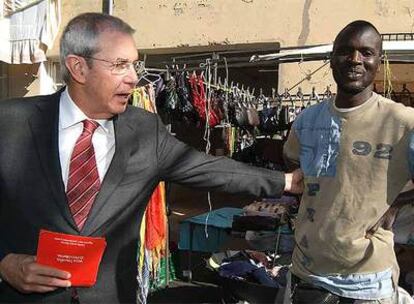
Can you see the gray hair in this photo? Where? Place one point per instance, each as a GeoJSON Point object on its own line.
{"type": "Point", "coordinates": [81, 36]}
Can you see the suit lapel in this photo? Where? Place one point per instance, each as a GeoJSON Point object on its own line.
{"type": "Point", "coordinates": [101, 210]}
{"type": "Point", "coordinates": [45, 134]}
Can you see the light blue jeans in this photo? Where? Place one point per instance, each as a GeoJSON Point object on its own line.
{"type": "Point", "coordinates": [399, 297]}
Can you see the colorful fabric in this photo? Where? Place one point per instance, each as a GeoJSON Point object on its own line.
{"type": "Point", "coordinates": [155, 219]}
{"type": "Point", "coordinates": [355, 165]}
{"type": "Point", "coordinates": [201, 101]}
{"type": "Point", "coordinates": [154, 224]}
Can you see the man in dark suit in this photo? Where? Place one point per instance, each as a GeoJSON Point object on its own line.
{"type": "Point", "coordinates": [131, 152]}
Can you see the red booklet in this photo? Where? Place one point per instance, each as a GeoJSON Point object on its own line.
{"type": "Point", "coordinates": [78, 255]}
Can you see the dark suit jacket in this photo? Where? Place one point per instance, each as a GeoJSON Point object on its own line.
{"type": "Point", "coordinates": [32, 194]}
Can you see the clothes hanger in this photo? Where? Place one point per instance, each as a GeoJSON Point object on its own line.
{"type": "Point", "coordinates": [287, 97]}
{"type": "Point", "coordinates": [299, 96]}
{"type": "Point", "coordinates": [327, 93]}
{"type": "Point", "coordinates": [146, 76]}
{"type": "Point", "coordinates": [314, 95]}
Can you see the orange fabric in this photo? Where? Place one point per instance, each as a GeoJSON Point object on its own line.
{"type": "Point", "coordinates": [155, 219]}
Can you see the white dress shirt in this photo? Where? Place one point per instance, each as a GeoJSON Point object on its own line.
{"type": "Point", "coordinates": [70, 128]}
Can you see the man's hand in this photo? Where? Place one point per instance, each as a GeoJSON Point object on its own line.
{"type": "Point", "coordinates": [23, 273]}
{"type": "Point", "coordinates": [294, 182]}
{"type": "Point", "coordinates": [388, 219]}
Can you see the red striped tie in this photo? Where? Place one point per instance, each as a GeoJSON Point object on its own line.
{"type": "Point", "coordinates": [83, 181]}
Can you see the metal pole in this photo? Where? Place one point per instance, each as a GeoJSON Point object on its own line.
{"type": "Point", "coordinates": [108, 6]}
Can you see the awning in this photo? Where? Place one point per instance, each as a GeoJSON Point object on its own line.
{"type": "Point", "coordinates": [397, 51]}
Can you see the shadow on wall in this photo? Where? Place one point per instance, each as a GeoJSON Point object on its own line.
{"type": "Point", "coordinates": [19, 80]}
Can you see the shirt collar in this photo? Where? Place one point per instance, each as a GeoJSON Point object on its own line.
{"type": "Point", "coordinates": [70, 114]}
{"type": "Point", "coordinates": [355, 110]}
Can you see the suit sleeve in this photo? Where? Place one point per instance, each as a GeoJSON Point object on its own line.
{"type": "Point", "coordinates": [185, 165]}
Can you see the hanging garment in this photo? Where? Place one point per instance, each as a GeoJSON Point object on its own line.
{"type": "Point", "coordinates": [46, 82]}
{"type": "Point", "coordinates": [184, 96]}
{"type": "Point", "coordinates": [27, 33]}
{"type": "Point", "coordinates": [185, 110]}
{"type": "Point", "coordinates": [9, 7]}
{"type": "Point", "coordinates": [252, 116]}
{"type": "Point", "coordinates": [284, 117]}
{"type": "Point", "coordinates": [171, 102]}
{"type": "Point", "coordinates": [200, 101]}
{"type": "Point", "coordinates": [217, 105]}
{"type": "Point", "coordinates": [269, 123]}
{"type": "Point", "coordinates": [245, 146]}
{"type": "Point", "coordinates": [241, 114]}
{"type": "Point", "coordinates": [153, 228]}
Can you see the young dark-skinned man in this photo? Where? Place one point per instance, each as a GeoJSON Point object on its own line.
{"type": "Point", "coordinates": [356, 151]}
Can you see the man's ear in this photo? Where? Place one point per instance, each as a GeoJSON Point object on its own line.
{"type": "Point", "coordinates": [383, 58]}
{"type": "Point", "coordinates": [77, 67]}
{"type": "Point", "coordinates": [382, 61]}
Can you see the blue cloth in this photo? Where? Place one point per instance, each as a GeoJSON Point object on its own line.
{"type": "Point", "coordinates": [245, 269]}
{"type": "Point", "coordinates": [319, 134]}
{"type": "Point", "coordinates": [371, 286]}
{"type": "Point", "coordinates": [236, 269]}
{"type": "Point", "coordinates": [218, 224]}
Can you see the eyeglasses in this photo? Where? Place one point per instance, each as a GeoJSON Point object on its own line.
{"type": "Point", "coordinates": [120, 66]}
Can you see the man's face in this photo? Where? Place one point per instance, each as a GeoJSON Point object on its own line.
{"type": "Point", "coordinates": [355, 59]}
{"type": "Point", "coordinates": [108, 90]}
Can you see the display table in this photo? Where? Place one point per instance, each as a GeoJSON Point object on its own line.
{"type": "Point", "coordinates": [193, 230]}
{"type": "Point", "coordinates": [193, 235]}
